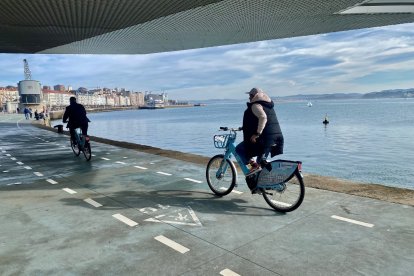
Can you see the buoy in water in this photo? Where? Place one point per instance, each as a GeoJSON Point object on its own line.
{"type": "Point", "coordinates": [325, 121]}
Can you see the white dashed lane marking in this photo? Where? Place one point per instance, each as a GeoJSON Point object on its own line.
{"type": "Point", "coordinates": [353, 221]}
{"type": "Point", "coordinates": [20, 163]}
{"type": "Point", "coordinates": [176, 246]}
{"type": "Point", "coordinates": [27, 167]}
{"type": "Point", "coordinates": [70, 191]}
{"type": "Point", "coordinates": [125, 220]}
{"type": "Point", "coordinates": [119, 162]}
{"type": "Point", "coordinates": [228, 272]}
{"type": "Point", "coordinates": [16, 183]}
{"type": "Point", "coordinates": [234, 191]}
{"type": "Point", "coordinates": [103, 158]}
{"type": "Point", "coordinates": [8, 154]}
{"type": "Point", "coordinates": [193, 180]}
{"type": "Point", "coordinates": [163, 173]}
{"type": "Point", "coordinates": [142, 168]}
{"type": "Point", "coordinates": [51, 181]}
{"type": "Point", "coordinates": [92, 202]}
{"type": "Point", "coordinates": [38, 173]}
{"type": "Point", "coordinates": [13, 158]}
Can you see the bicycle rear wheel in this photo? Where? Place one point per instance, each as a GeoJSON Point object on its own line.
{"type": "Point", "coordinates": [75, 148]}
{"type": "Point", "coordinates": [221, 175]}
{"type": "Point", "coordinates": [87, 151]}
{"type": "Point", "coordinates": [289, 196]}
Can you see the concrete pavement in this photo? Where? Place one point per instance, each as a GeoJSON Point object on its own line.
{"type": "Point", "coordinates": [134, 213]}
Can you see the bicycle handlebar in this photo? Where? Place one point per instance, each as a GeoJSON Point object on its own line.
{"type": "Point", "coordinates": [231, 129]}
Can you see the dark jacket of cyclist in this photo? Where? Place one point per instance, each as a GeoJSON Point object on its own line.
{"type": "Point", "coordinates": [261, 130]}
{"type": "Point", "coordinates": [76, 114]}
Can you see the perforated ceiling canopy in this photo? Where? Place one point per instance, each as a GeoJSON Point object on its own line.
{"type": "Point", "coordinates": [149, 26]}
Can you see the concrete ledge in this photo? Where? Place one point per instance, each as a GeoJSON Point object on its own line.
{"type": "Point", "coordinates": [371, 190]}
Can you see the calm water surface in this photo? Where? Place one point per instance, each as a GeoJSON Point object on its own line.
{"type": "Point", "coordinates": [367, 140]}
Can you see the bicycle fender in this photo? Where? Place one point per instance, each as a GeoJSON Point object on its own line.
{"type": "Point", "coordinates": [276, 172]}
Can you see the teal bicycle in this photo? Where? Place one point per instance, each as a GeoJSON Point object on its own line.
{"type": "Point", "coordinates": [280, 181]}
{"type": "Point", "coordinates": [81, 145]}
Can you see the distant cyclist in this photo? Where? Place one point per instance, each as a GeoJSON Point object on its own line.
{"type": "Point", "coordinates": [76, 114]}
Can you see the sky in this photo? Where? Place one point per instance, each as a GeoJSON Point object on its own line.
{"type": "Point", "coordinates": [358, 61]}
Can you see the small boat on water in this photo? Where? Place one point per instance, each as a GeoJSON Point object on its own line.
{"type": "Point", "coordinates": [153, 104]}
{"type": "Point", "coordinates": [309, 104]}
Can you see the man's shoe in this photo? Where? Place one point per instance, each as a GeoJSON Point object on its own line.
{"type": "Point", "coordinates": [253, 164]}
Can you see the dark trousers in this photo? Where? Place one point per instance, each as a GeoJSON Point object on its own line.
{"type": "Point", "coordinates": [262, 152]}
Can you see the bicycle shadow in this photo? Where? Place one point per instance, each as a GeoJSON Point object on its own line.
{"type": "Point", "coordinates": [200, 201]}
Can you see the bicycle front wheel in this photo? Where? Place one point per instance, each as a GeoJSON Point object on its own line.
{"type": "Point", "coordinates": [288, 196]}
{"type": "Point", "coordinates": [75, 148]}
{"type": "Point", "coordinates": [87, 151]}
{"type": "Point", "coordinates": [221, 175]}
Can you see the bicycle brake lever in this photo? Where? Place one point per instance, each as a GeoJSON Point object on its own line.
{"type": "Point", "coordinates": [224, 128]}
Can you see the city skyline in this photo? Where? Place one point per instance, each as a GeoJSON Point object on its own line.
{"type": "Point", "coordinates": [357, 61]}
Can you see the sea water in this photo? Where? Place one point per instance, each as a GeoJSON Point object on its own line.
{"type": "Point", "coordinates": [370, 141]}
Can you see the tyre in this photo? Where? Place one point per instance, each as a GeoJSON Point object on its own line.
{"type": "Point", "coordinates": [75, 148]}
{"type": "Point", "coordinates": [289, 196]}
{"type": "Point", "coordinates": [221, 175]}
{"type": "Point", "coordinates": [87, 151]}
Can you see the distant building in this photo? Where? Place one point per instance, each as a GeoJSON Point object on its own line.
{"type": "Point", "coordinates": [56, 99]}
{"type": "Point", "coordinates": [59, 87]}
{"type": "Point", "coordinates": [9, 99]}
{"type": "Point", "coordinates": [82, 90]}
{"type": "Point", "coordinates": [30, 92]}
{"type": "Point", "coordinates": [137, 99]}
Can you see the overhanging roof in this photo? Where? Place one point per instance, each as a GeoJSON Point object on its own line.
{"type": "Point", "coordinates": [150, 26]}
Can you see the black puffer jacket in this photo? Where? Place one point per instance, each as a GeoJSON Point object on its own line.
{"type": "Point", "coordinates": [271, 134]}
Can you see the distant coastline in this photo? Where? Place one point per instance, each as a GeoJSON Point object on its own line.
{"type": "Point", "coordinates": [58, 114]}
{"type": "Point", "coordinates": [393, 93]}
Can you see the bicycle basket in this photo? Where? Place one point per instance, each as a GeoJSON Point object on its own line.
{"type": "Point", "coordinates": [221, 141]}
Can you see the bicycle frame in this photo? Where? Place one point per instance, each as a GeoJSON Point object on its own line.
{"type": "Point", "coordinates": [79, 138]}
{"type": "Point", "coordinates": [279, 181]}
{"type": "Point", "coordinates": [230, 151]}
{"type": "Point", "coordinates": [283, 170]}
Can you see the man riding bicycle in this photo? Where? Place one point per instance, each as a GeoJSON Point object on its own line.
{"type": "Point", "coordinates": [261, 130]}
{"type": "Point", "coordinates": [76, 114]}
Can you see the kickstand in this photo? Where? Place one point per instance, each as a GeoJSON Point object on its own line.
{"type": "Point", "coordinates": [267, 192]}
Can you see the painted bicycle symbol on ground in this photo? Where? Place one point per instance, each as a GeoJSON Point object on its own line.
{"type": "Point", "coordinates": [180, 216]}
